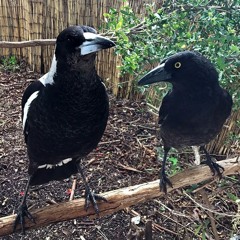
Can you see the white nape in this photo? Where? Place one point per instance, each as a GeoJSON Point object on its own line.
{"type": "Point", "coordinates": [61, 163]}
{"type": "Point", "coordinates": [27, 105]}
{"type": "Point", "coordinates": [48, 77]}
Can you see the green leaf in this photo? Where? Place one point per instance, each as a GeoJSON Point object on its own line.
{"type": "Point", "coordinates": [234, 48]}
{"type": "Point", "coordinates": [232, 197]}
{"type": "Point", "coordinates": [119, 24]}
{"type": "Point", "coordinates": [173, 160]}
{"type": "Point", "coordinates": [197, 230]}
{"type": "Point", "coordinates": [221, 62]}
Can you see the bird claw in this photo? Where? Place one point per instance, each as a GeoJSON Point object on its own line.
{"type": "Point", "coordinates": [164, 181]}
{"type": "Point", "coordinates": [20, 218]}
{"type": "Point", "coordinates": [214, 167]}
{"type": "Point", "coordinates": [91, 197]}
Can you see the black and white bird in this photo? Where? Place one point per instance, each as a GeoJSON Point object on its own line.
{"type": "Point", "coordinates": [65, 113]}
{"type": "Point", "coordinates": [193, 112]}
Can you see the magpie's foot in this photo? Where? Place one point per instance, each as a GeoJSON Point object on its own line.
{"type": "Point", "coordinates": [215, 168]}
{"type": "Point", "coordinates": [164, 181]}
{"type": "Point", "coordinates": [20, 218]}
{"type": "Point", "coordinates": [91, 197]}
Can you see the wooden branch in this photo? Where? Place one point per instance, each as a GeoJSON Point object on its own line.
{"type": "Point", "coordinates": [31, 43]}
{"type": "Point", "coordinates": [117, 199]}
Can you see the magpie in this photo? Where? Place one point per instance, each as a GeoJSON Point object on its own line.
{"type": "Point", "coordinates": [193, 112]}
{"type": "Point", "coordinates": [65, 113]}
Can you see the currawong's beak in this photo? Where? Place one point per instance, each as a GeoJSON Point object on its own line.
{"type": "Point", "coordinates": [94, 42]}
{"type": "Point", "coordinates": [157, 74]}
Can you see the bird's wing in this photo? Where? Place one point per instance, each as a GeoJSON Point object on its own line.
{"type": "Point", "coordinates": [29, 95]}
{"type": "Point", "coordinates": [227, 103]}
{"type": "Point", "coordinates": [164, 109]}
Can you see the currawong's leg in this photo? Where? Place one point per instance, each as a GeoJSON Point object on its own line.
{"type": "Point", "coordinates": [164, 181]}
{"type": "Point", "coordinates": [215, 168]}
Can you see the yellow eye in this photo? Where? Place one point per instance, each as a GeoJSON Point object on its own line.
{"type": "Point", "coordinates": [177, 65]}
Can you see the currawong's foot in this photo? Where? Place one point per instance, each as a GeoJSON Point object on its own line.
{"type": "Point", "coordinates": [20, 218]}
{"type": "Point", "coordinates": [164, 181]}
{"type": "Point", "coordinates": [215, 168]}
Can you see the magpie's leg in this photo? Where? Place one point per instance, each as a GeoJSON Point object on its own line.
{"type": "Point", "coordinates": [90, 196]}
{"type": "Point", "coordinates": [215, 168]}
{"type": "Point", "coordinates": [23, 210]}
{"type": "Point", "coordinates": [164, 181]}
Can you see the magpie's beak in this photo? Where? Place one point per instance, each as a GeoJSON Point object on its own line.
{"type": "Point", "coordinates": [94, 42]}
{"type": "Point", "coordinates": [158, 74]}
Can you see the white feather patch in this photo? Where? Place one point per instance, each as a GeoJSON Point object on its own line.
{"type": "Point", "coordinates": [61, 163]}
{"type": "Point", "coordinates": [89, 36]}
{"type": "Point", "coordinates": [48, 77]}
{"type": "Point", "coordinates": [196, 154]}
{"type": "Point", "coordinates": [104, 85]}
{"type": "Point", "coordinates": [27, 105]}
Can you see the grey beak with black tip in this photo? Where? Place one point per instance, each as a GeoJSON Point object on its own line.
{"type": "Point", "coordinates": [158, 74]}
{"type": "Point", "coordinates": [94, 42]}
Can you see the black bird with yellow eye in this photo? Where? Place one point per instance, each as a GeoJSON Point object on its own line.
{"type": "Point", "coordinates": [193, 112]}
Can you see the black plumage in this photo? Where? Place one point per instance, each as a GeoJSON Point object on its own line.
{"type": "Point", "coordinates": [65, 113]}
{"type": "Point", "coordinates": [193, 112]}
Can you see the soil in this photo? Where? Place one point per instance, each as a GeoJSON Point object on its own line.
{"type": "Point", "coordinates": [126, 156]}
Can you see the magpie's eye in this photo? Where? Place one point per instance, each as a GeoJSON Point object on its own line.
{"type": "Point", "coordinates": [177, 65]}
{"type": "Point", "coordinates": [70, 39]}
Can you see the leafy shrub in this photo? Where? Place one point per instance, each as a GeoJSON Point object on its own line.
{"type": "Point", "coordinates": [212, 28]}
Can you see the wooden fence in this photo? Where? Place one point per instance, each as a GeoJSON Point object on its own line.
{"type": "Point", "coordinates": [22, 20]}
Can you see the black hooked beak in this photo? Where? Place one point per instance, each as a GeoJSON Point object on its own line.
{"type": "Point", "coordinates": [158, 74]}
